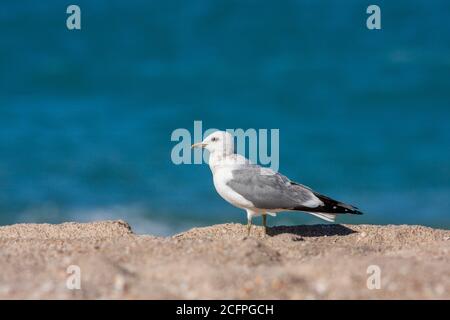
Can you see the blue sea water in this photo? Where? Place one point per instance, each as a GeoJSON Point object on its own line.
{"type": "Point", "coordinates": [86, 116]}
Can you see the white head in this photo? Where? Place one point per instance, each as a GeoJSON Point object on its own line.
{"type": "Point", "coordinates": [217, 143]}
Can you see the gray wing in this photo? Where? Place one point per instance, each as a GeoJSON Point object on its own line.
{"type": "Point", "coordinates": [270, 191]}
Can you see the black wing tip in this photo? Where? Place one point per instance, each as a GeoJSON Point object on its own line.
{"type": "Point", "coordinates": [343, 210]}
{"type": "Point", "coordinates": [336, 207]}
{"type": "Point", "coordinates": [330, 210]}
{"type": "Point", "coordinates": [355, 211]}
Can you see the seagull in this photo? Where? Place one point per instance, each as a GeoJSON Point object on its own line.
{"type": "Point", "coordinates": [260, 190]}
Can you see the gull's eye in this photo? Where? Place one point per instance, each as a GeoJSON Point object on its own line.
{"type": "Point", "coordinates": [214, 139]}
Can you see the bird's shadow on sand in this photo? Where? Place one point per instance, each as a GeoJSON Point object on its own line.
{"type": "Point", "coordinates": [318, 230]}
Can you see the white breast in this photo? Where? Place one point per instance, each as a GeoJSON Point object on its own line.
{"type": "Point", "coordinates": [221, 176]}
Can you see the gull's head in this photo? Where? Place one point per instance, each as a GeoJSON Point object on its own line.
{"type": "Point", "coordinates": [217, 142]}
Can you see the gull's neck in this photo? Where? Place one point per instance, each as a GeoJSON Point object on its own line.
{"type": "Point", "coordinates": [218, 160]}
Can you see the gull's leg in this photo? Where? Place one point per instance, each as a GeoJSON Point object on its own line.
{"type": "Point", "coordinates": [264, 218]}
{"type": "Point", "coordinates": [250, 215]}
{"type": "Point", "coordinates": [249, 226]}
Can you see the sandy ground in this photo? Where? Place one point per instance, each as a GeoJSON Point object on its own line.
{"type": "Point", "coordinates": [220, 262]}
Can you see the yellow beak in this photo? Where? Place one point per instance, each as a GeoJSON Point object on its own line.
{"type": "Point", "coordinates": [198, 145]}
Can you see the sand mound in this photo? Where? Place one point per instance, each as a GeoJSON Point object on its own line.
{"type": "Point", "coordinates": [220, 262]}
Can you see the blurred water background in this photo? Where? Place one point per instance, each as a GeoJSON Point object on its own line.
{"type": "Point", "coordinates": [86, 116]}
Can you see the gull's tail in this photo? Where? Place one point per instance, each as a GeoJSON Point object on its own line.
{"type": "Point", "coordinates": [324, 216]}
{"type": "Point", "coordinates": [329, 209]}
